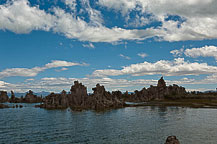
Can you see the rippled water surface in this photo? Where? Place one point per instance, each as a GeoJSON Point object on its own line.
{"type": "Point", "coordinates": [148, 125]}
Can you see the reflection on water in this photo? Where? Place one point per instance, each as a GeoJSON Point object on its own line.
{"type": "Point", "coordinates": [128, 125]}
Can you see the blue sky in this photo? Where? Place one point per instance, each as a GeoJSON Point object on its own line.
{"type": "Point", "coordinates": [124, 45]}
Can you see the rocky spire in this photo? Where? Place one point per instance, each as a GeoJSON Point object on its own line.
{"type": "Point", "coordinates": [161, 82]}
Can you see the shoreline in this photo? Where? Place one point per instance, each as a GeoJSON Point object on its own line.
{"type": "Point", "coordinates": [189, 103]}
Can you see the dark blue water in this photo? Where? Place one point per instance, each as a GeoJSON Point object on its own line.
{"type": "Point", "coordinates": [147, 125]}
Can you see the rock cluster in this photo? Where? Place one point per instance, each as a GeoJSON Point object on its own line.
{"type": "Point", "coordinates": [161, 91]}
{"type": "Point", "coordinates": [31, 98]}
{"type": "Point", "coordinates": [14, 99]}
{"type": "Point", "coordinates": [172, 140]}
{"type": "Point", "coordinates": [78, 99]}
{"type": "Point", "coordinates": [101, 99]}
{"type": "Point", "coordinates": [3, 97]}
{"type": "Point", "coordinates": [55, 101]}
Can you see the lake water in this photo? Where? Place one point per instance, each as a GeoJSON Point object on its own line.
{"type": "Point", "coordinates": [134, 125]}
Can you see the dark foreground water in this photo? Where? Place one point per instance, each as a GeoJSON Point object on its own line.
{"type": "Point", "coordinates": [140, 125]}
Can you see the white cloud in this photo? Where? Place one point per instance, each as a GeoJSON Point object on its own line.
{"type": "Point", "coordinates": [200, 17]}
{"type": "Point", "coordinates": [29, 79]}
{"type": "Point", "coordinates": [199, 20]}
{"type": "Point", "coordinates": [178, 67]}
{"type": "Point", "coordinates": [206, 51]}
{"type": "Point", "coordinates": [72, 4]}
{"type": "Point", "coordinates": [19, 17]}
{"type": "Point", "coordinates": [142, 55]}
{"type": "Point", "coordinates": [177, 53]}
{"type": "Point", "coordinates": [125, 57]}
{"type": "Point", "coordinates": [60, 63]}
{"type": "Point", "coordinates": [90, 45]}
{"type": "Point", "coordinates": [31, 72]}
{"type": "Point", "coordinates": [62, 69]}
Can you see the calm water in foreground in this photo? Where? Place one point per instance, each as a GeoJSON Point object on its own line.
{"type": "Point", "coordinates": [147, 125]}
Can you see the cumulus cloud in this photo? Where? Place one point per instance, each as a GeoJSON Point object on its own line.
{"type": "Point", "coordinates": [31, 72]}
{"type": "Point", "coordinates": [199, 23]}
{"type": "Point", "coordinates": [125, 57]}
{"type": "Point", "coordinates": [177, 67]}
{"type": "Point", "coordinates": [142, 55]}
{"type": "Point", "coordinates": [206, 51]}
{"type": "Point", "coordinates": [198, 18]}
{"type": "Point", "coordinates": [20, 17]}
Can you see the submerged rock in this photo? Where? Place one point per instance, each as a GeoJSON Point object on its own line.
{"type": "Point", "coordinates": [172, 140]}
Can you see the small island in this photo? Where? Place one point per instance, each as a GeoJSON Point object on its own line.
{"type": "Point", "coordinates": [100, 99]}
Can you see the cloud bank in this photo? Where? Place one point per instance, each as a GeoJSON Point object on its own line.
{"type": "Point", "coordinates": [177, 67]}
{"type": "Point", "coordinates": [32, 72]}
{"type": "Point", "coordinates": [178, 20]}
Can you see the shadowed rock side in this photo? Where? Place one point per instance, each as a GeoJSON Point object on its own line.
{"type": "Point", "coordinates": [159, 92]}
{"type": "Point", "coordinates": [101, 99]}
{"type": "Point", "coordinates": [3, 97]}
{"type": "Point", "coordinates": [78, 99]}
{"type": "Point", "coordinates": [172, 140]}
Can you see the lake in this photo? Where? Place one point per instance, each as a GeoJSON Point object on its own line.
{"type": "Point", "coordinates": [136, 125]}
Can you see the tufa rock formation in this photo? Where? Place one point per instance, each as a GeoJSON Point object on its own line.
{"type": "Point", "coordinates": [78, 99]}
{"type": "Point", "coordinates": [14, 99]}
{"type": "Point", "coordinates": [3, 97]}
{"type": "Point", "coordinates": [31, 98]}
{"type": "Point", "coordinates": [159, 92]}
{"type": "Point", "coordinates": [101, 99]}
{"type": "Point", "coordinates": [55, 101]}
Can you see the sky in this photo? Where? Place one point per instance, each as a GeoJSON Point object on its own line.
{"type": "Point", "coordinates": [122, 44]}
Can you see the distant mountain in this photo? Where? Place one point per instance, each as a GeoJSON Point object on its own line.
{"type": "Point", "coordinates": [43, 93]}
{"type": "Point", "coordinates": [209, 91]}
